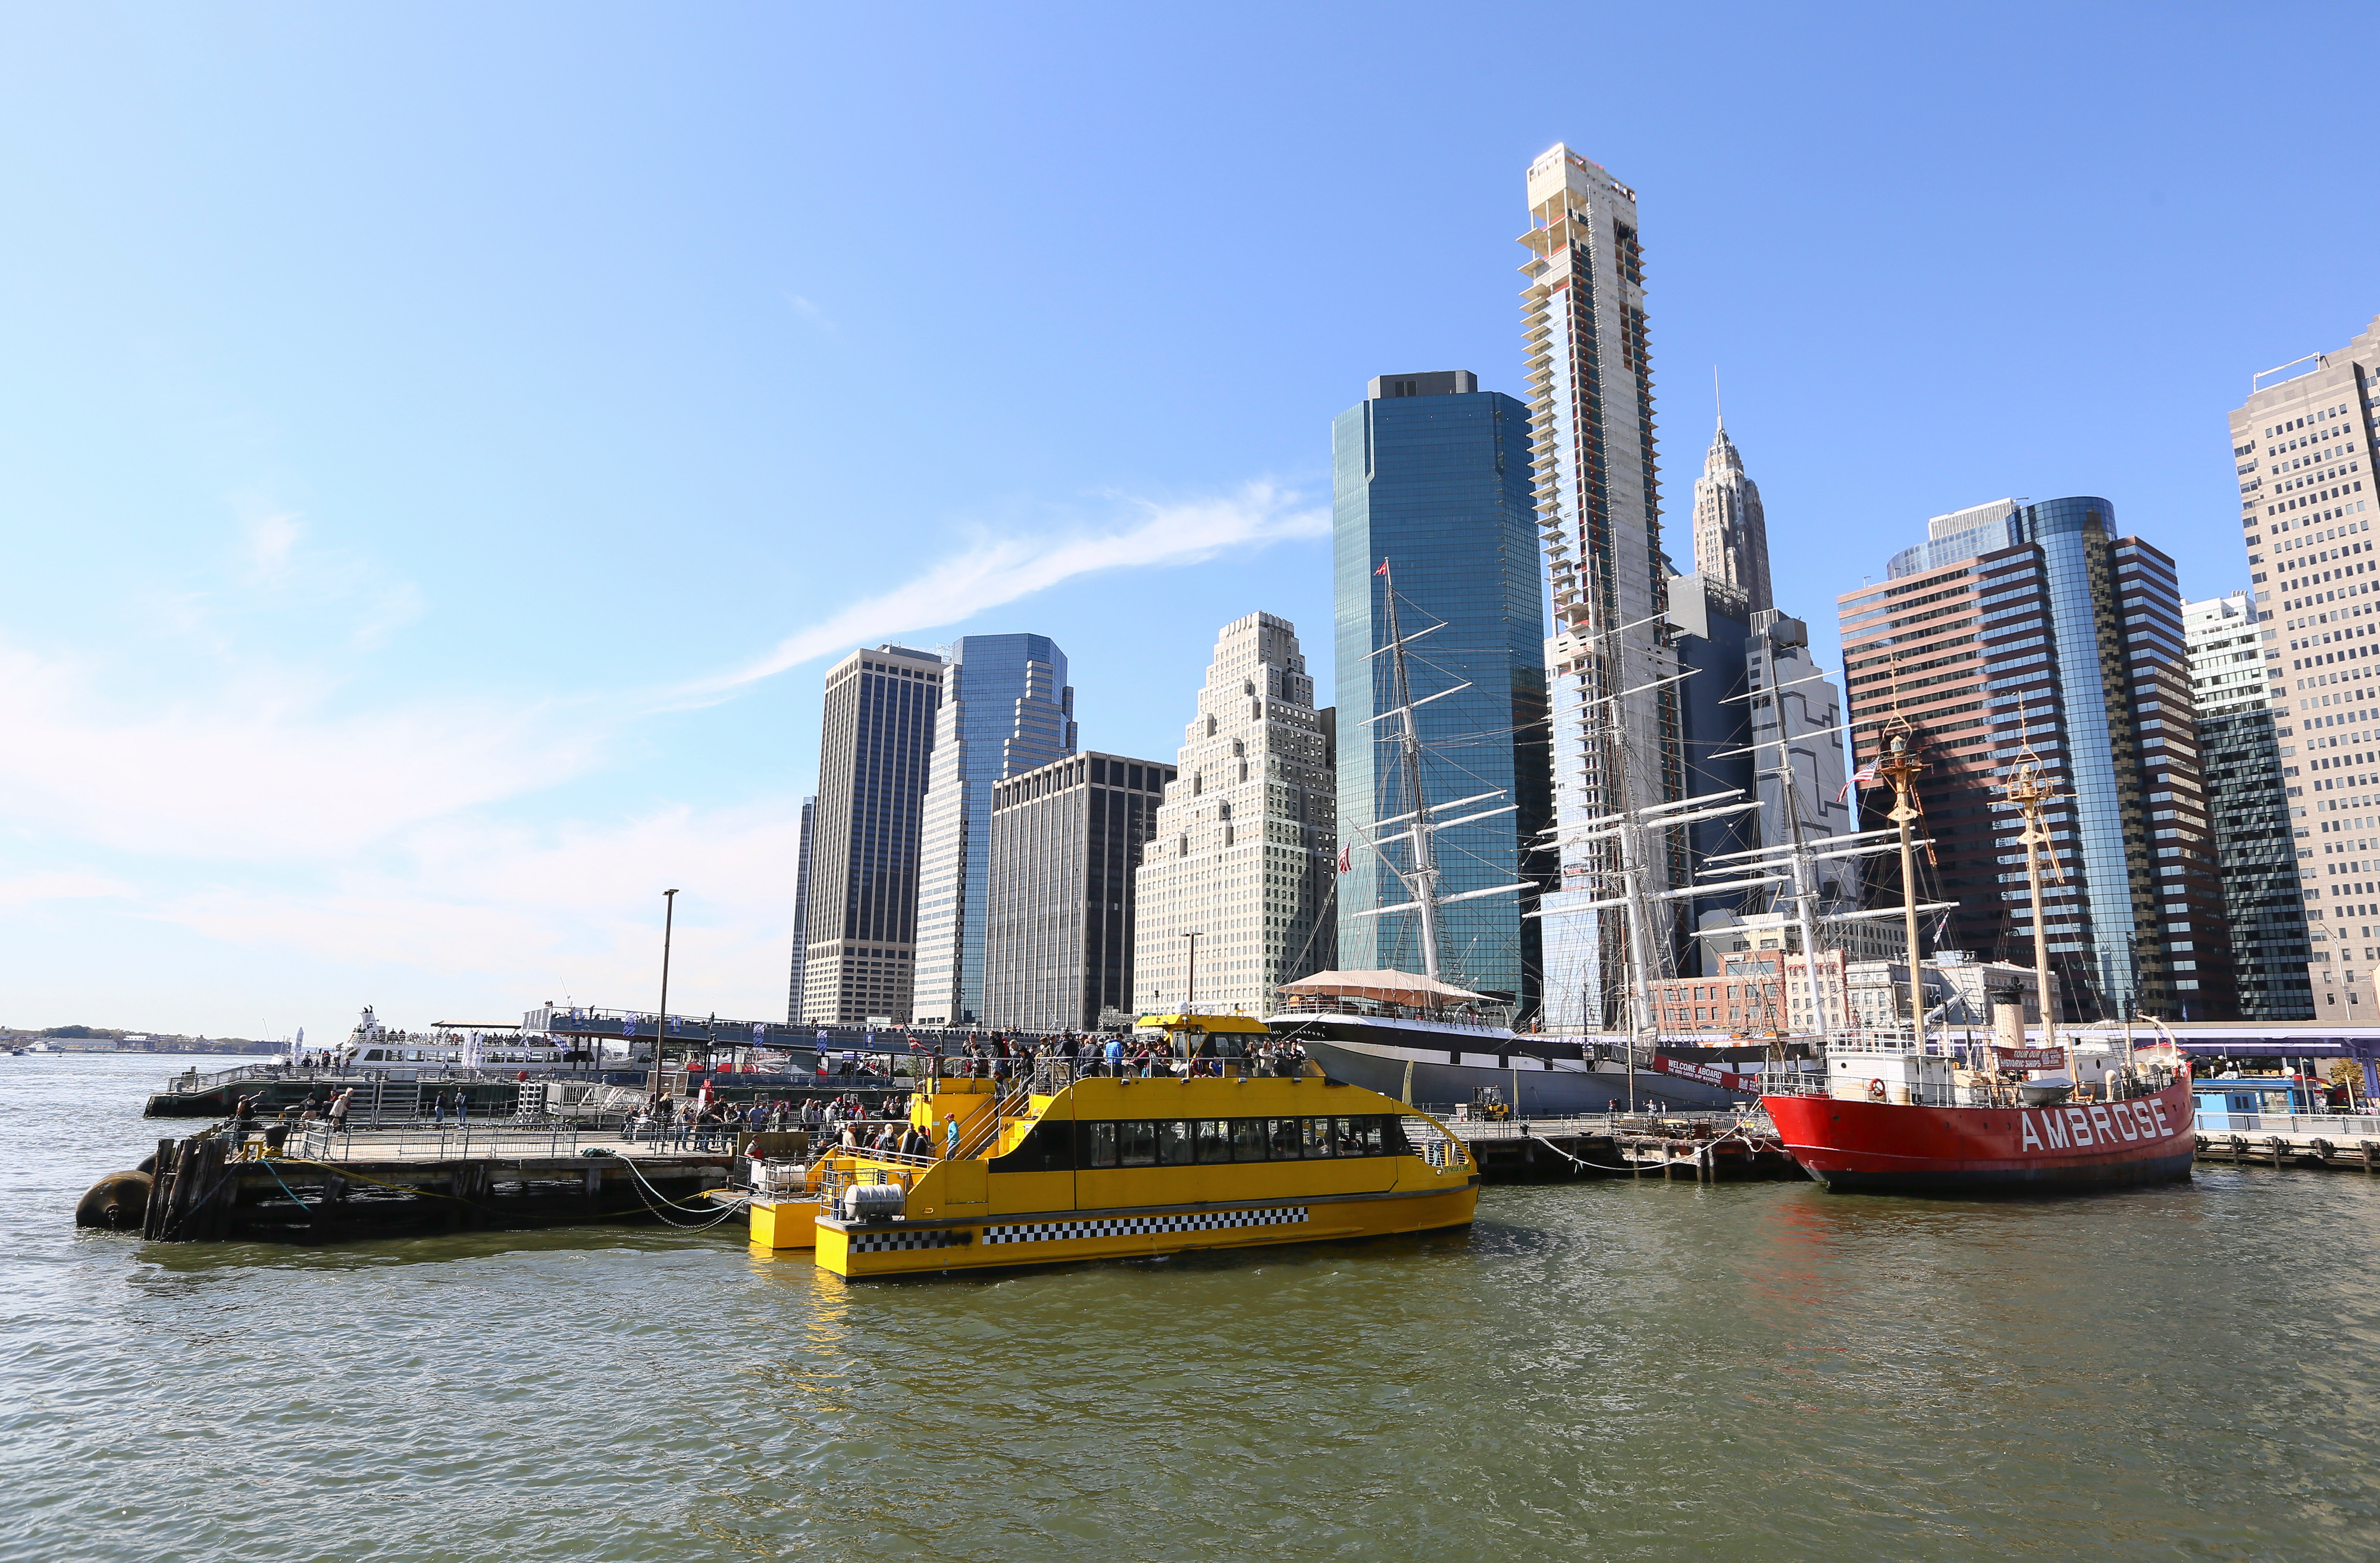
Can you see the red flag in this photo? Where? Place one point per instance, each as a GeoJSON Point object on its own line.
{"type": "Point", "coordinates": [1383, 569]}
{"type": "Point", "coordinates": [1346, 860]}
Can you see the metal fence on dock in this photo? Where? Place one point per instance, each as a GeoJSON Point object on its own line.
{"type": "Point", "coordinates": [2347, 1126]}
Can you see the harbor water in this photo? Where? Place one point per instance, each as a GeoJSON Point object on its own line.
{"type": "Point", "coordinates": [1752, 1371]}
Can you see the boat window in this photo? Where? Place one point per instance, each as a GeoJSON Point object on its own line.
{"type": "Point", "coordinates": [1047, 1146]}
{"type": "Point", "coordinates": [1395, 1141]}
{"type": "Point", "coordinates": [1317, 1136]}
{"type": "Point", "coordinates": [1214, 1139]}
{"type": "Point", "coordinates": [1137, 1142]}
{"type": "Point", "coordinates": [1370, 1135]}
{"type": "Point", "coordinates": [1247, 1139]}
{"type": "Point", "coordinates": [1175, 1144]}
{"type": "Point", "coordinates": [1347, 1136]}
{"type": "Point", "coordinates": [1100, 1140]}
{"type": "Point", "coordinates": [1285, 1139]}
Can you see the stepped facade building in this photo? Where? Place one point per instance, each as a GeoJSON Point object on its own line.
{"type": "Point", "coordinates": [1235, 889]}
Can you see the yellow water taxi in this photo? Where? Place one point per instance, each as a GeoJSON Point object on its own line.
{"type": "Point", "coordinates": [1062, 1165]}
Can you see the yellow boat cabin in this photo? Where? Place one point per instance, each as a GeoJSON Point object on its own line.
{"type": "Point", "coordinates": [1065, 1164]}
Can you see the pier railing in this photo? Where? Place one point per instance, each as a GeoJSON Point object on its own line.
{"type": "Point", "coordinates": [2346, 1125]}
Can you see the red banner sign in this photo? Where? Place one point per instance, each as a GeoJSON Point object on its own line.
{"type": "Point", "coordinates": [2030, 1057]}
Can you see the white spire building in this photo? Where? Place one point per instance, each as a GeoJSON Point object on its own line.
{"type": "Point", "coordinates": [1237, 872]}
{"type": "Point", "coordinates": [1598, 500]}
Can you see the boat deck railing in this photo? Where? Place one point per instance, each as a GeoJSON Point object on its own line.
{"type": "Point", "coordinates": [431, 1142]}
{"type": "Point", "coordinates": [1368, 1009]}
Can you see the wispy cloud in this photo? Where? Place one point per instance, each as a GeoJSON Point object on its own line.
{"type": "Point", "coordinates": [271, 539]}
{"type": "Point", "coordinates": [810, 312]}
{"type": "Point", "coordinates": [257, 768]}
{"type": "Point", "coordinates": [1000, 570]}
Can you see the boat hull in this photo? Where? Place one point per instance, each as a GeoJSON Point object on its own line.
{"type": "Point", "coordinates": [861, 1252]}
{"type": "Point", "coordinates": [1419, 1073]}
{"type": "Point", "coordinates": [1863, 1146]}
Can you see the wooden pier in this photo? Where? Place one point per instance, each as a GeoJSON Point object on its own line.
{"type": "Point", "coordinates": [2339, 1143]}
{"type": "Point", "coordinates": [321, 1186]}
{"type": "Point", "coordinates": [1695, 1148]}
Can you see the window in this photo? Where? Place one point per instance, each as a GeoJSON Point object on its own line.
{"type": "Point", "coordinates": [1319, 1138]}
{"type": "Point", "coordinates": [1137, 1143]}
{"type": "Point", "coordinates": [1286, 1139]}
{"type": "Point", "coordinates": [1176, 1144]}
{"type": "Point", "coordinates": [1214, 1136]}
{"type": "Point", "coordinates": [1100, 1139]}
{"type": "Point", "coordinates": [1248, 1139]}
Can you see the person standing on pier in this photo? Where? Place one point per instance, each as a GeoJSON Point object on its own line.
{"type": "Point", "coordinates": [950, 1136]}
{"type": "Point", "coordinates": [438, 1112]}
{"type": "Point", "coordinates": [339, 1110]}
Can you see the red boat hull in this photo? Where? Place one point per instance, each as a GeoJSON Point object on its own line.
{"type": "Point", "coordinates": [1856, 1145]}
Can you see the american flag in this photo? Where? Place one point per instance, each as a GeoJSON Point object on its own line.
{"type": "Point", "coordinates": [1863, 777]}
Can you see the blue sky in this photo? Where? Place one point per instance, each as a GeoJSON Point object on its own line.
{"type": "Point", "coordinates": [441, 447]}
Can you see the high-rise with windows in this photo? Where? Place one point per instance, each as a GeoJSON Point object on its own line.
{"type": "Point", "coordinates": [1616, 740]}
{"type": "Point", "coordinates": [1061, 908]}
{"type": "Point", "coordinates": [802, 908]}
{"type": "Point", "coordinates": [1430, 479]}
{"type": "Point", "coordinates": [1235, 892]}
{"type": "Point", "coordinates": [2305, 447]}
{"type": "Point", "coordinates": [2022, 629]}
{"type": "Point", "coordinates": [1731, 532]}
{"type": "Point", "coordinates": [1006, 710]}
{"type": "Point", "coordinates": [2254, 837]}
{"type": "Point", "coordinates": [876, 741]}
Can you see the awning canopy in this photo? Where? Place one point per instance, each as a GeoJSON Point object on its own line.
{"type": "Point", "coordinates": [1383, 987]}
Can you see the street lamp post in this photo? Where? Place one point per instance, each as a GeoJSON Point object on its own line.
{"type": "Point", "coordinates": [661, 1021]}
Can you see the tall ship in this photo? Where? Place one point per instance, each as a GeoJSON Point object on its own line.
{"type": "Point", "coordinates": [1421, 1039]}
{"type": "Point", "coordinates": [1912, 1115]}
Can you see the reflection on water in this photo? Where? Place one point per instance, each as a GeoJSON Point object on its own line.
{"type": "Point", "coordinates": [1623, 1370]}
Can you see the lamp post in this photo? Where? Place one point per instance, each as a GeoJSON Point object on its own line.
{"type": "Point", "coordinates": [661, 1021]}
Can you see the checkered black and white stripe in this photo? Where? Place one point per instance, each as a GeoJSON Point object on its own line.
{"type": "Point", "coordinates": [885, 1242]}
{"type": "Point", "coordinates": [1135, 1226]}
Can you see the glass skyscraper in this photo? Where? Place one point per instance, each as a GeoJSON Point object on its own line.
{"type": "Point", "coordinates": [2033, 627]}
{"type": "Point", "coordinates": [1006, 710]}
{"type": "Point", "coordinates": [2262, 896]}
{"type": "Point", "coordinates": [1433, 476]}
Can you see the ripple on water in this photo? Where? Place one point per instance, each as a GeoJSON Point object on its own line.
{"type": "Point", "coordinates": [1641, 1371]}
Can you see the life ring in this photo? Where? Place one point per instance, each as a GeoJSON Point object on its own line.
{"type": "Point", "coordinates": [1876, 1090]}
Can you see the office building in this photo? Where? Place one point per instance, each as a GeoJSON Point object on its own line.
{"type": "Point", "coordinates": [1597, 485]}
{"type": "Point", "coordinates": [2231, 673]}
{"type": "Point", "coordinates": [2303, 443]}
{"type": "Point", "coordinates": [1431, 478]}
{"type": "Point", "coordinates": [861, 923]}
{"type": "Point", "coordinates": [2019, 630]}
{"type": "Point", "coordinates": [1006, 710]}
{"type": "Point", "coordinates": [1060, 909]}
{"type": "Point", "coordinates": [1711, 633]}
{"type": "Point", "coordinates": [1235, 884]}
{"type": "Point", "coordinates": [802, 909]}
{"type": "Point", "coordinates": [1731, 532]}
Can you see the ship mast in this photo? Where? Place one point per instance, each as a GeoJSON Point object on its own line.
{"type": "Point", "coordinates": [1423, 880]}
{"type": "Point", "coordinates": [2026, 791]}
{"type": "Point", "coordinates": [1421, 825]}
{"type": "Point", "coordinates": [1900, 768]}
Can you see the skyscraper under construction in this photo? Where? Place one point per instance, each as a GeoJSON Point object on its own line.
{"type": "Point", "coordinates": [1610, 669]}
